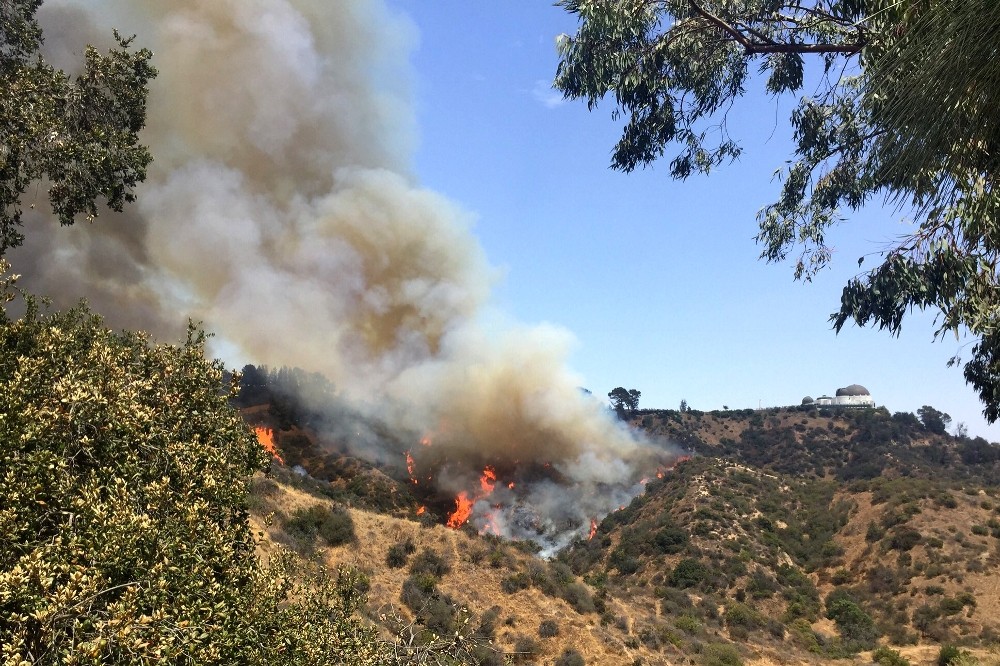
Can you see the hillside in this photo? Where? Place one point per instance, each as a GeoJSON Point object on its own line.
{"type": "Point", "coordinates": [788, 537]}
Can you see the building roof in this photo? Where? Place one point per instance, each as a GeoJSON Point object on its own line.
{"type": "Point", "coordinates": [853, 389]}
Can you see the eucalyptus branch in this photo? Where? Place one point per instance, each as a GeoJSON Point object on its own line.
{"type": "Point", "coordinates": [751, 47]}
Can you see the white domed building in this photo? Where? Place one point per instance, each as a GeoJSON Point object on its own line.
{"type": "Point", "coordinates": [854, 395]}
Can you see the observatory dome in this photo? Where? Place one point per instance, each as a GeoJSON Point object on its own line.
{"type": "Point", "coordinates": [853, 389]}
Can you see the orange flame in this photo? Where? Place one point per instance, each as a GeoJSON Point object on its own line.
{"type": "Point", "coordinates": [463, 509]}
{"type": "Point", "coordinates": [425, 440]}
{"type": "Point", "coordinates": [411, 467]}
{"type": "Point", "coordinates": [488, 480]}
{"type": "Point", "coordinates": [464, 503]}
{"type": "Point", "coordinates": [593, 529]}
{"type": "Point", "coordinates": [421, 510]}
{"type": "Point", "coordinates": [266, 438]}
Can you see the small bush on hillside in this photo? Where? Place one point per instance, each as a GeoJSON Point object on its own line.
{"type": "Point", "coordinates": [515, 582]}
{"type": "Point", "coordinates": [548, 629]}
{"type": "Point", "coordinates": [525, 649]}
{"type": "Point", "coordinates": [874, 533]}
{"type": "Point", "coordinates": [904, 539]}
{"type": "Point", "coordinates": [841, 577]}
{"type": "Point", "coordinates": [430, 562]}
{"type": "Point", "coordinates": [671, 539]}
{"type": "Point", "coordinates": [947, 654]}
{"type": "Point", "coordinates": [856, 627]}
{"type": "Point", "coordinates": [742, 616]}
{"type": "Point", "coordinates": [721, 654]}
{"type": "Point", "coordinates": [688, 624]}
{"type": "Point", "coordinates": [438, 615]}
{"type": "Point", "coordinates": [417, 590]}
{"type": "Point", "coordinates": [688, 573]}
{"type": "Point", "coordinates": [885, 656]}
{"type": "Point", "coordinates": [332, 526]}
{"type": "Point", "coordinates": [761, 586]}
{"type": "Point", "coordinates": [488, 623]}
{"type": "Point", "coordinates": [579, 597]}
{"type": "Point", "coordinates": [570, 657]}
{"type": "Point", "coordinates": [399, 553]}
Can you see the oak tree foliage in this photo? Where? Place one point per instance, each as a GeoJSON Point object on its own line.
{"type": "Point", "coordinates": [896, 103]}
{"type": "Point", "coordinates": [75, 135]}
{"type": "Point", "coordinates": [124, 479]}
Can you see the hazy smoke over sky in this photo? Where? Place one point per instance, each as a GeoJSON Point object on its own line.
{"type": "Point", "coordinates": [280, 211]}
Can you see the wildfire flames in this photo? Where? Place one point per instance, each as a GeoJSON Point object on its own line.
{"type": "Point", "coordinates": [464, 504]}
{"type": "Point", "coordinates": [463, 509]}
{"type": "Point", "coordinates": [516, 499]}
{"type": "Point", "coordinates": [411, 467]}
{"type": "Point", "coordinates": [266, 438]}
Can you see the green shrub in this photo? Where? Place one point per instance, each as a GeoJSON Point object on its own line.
{"type": "Point", "coordinates": [688, 623]}
{"type": "Point", "coordinates": [417, 590]}
{"type": "Point", "coordinates": [688, 573]}
{"type": "Point", "coordinates": [515, 582]}
{"type": "Point", "coordinates": [951, 606]}
{"type": "Point", "coordinates": [947, 654]}
{"type": "Point", "coordinates": [579, 597]}
{"type": "Point", "coordinates": [332, 526]}
{"type": "Point", "coordinates": [488, 623]}
{"type": "Point", "coordinates": [874, 533]}
{"type": "Point", "coordinates": [430, 562]}
{"type": "Point", "coordinates": [857, 628]}
{"type": "Point", "coordinates": [525, 649]}
{"type": "Point", "coordinates": [721, 654]}
{"type": "Point", "coordinates": [761, 586]}
{"type": "Point", "coordinates": [904, 538]}
{"type": "Point", "coordinates": [886, 656]}
{"type": "Point", "coordinates": [570, 657]}
{"type": "Point", "coordinates": [841, 577]}
{"type": "Point", "coordinates": [398, 553]}
{"type": "Point", "coordinates": [671, 539]}
{"type": "Point", "coordinates": [548, 628]}
{"type": "Point", "coordinates": [741, 615]}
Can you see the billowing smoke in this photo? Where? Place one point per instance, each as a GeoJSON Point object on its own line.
{"type": "Point", "coordinates": [280, 212]}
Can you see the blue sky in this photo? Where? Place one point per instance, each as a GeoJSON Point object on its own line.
{"type": "Point", "coordinates": [658, 280]}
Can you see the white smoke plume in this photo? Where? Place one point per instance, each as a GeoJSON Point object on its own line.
{"type": "Point", "coordinates": [280, 211]}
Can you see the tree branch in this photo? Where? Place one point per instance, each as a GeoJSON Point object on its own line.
{"type": "Point", "coordinates": [752, 47]}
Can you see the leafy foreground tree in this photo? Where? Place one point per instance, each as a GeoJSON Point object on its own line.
{"type": "Point", "coordinates": [124, 477]}
{"type": "Point", "coordinates": [902, 108]}
{"type": "Point", "coordinates": [78, 134]}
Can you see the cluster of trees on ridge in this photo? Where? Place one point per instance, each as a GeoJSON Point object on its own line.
{"type": "Point", "coordinates": [124, 468]}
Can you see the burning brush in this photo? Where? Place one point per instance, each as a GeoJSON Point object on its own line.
{"type": "Point", "coordinates": [551, 504]}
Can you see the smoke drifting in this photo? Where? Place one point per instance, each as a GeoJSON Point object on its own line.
{"type": "Point", "coordinates": [280, 212]}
